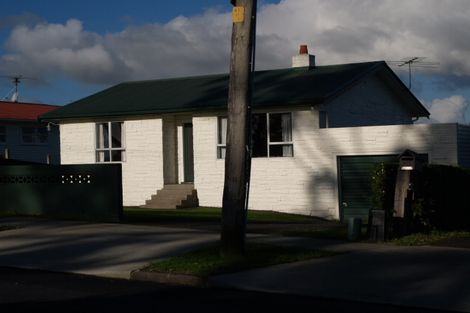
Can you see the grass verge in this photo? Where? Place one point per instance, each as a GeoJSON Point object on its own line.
{"type": "Point", "coordinates": [9, 227]}
{"type": "Point", "coordinates": [434, 237]}
{"type": "Point", "coordinates": [339, 232]}
{"type": "Point", "coordinates": [208, 261]}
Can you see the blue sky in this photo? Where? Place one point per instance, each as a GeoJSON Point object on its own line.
{"type": "Point", "coordinates": [75, 48]}
{"type": "Point", "coordinates": [102, 17]}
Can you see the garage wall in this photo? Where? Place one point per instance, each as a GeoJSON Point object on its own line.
{"type": "Point", "coordinates": [308, 182]}
{"type": "Point", "coordinates": [463, 136]}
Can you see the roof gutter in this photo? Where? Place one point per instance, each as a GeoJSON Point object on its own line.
{"type": "Point", "coordinates": [53, 118]}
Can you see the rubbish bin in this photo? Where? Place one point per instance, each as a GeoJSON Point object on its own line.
{"type": "Point", "coordinates": [377, 225]}
{"type": "Point", "coordinates": [354, 228]}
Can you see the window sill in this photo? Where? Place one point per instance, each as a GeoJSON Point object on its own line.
{"type": "Point", "coordinates": [265, 158]}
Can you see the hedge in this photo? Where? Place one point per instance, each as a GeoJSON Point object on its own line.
{"type": "Point", "coordinates": [441, 200]}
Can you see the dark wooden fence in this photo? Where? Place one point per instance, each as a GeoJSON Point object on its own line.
{"type": "Point", "coordinates": [85, 192]}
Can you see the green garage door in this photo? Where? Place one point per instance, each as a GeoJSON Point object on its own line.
{"type": "Point", "coordinates": [355, 184]}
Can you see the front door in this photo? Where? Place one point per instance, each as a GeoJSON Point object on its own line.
{"type": "Point", "coordinates": [188, 155]}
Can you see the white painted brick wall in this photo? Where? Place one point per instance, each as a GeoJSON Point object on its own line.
{"type": "Point", "coordinates": [77, 143]}
{"type": "Point", "coordinates": [143, 170]}
{"type": "Point", "coordinates": [307, 183]}
{"type": "Point", "coordinates": [463, 135]}
{"type": "Point", "coordinates": [208, 170]}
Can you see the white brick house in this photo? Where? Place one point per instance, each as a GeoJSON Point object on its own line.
{"type": "Point", "coordinates": [307, 120]}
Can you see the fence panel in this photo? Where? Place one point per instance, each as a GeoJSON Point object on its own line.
{"type": "Point", "coordinates": [86, 192]}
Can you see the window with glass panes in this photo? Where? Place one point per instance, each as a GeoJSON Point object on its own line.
{"type": "Point", "coordinates": [110, 142]}
{"type": "Point", "coordinates": [272, 135]}
{"type": "Point", "coordinates": [34, 135]}
{"type": "Point", "coordinates": [221, 137]}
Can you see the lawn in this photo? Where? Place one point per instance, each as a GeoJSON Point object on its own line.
{"type": "Point", "coordinates": [208, 261]}
{"type": "Point", "coordinates": [9, 227]}
{"type": "Point", "coordinates": [269, 222]}
{"type": "Point", "coordinates": [336, 232]}
{"type": "Point", "coordinates": [206, 214]}
{"type": "Point", "coordinates": [432, 238]}
{"type": "Point", "coordinates": [264, 222]}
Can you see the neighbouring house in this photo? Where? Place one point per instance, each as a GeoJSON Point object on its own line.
{"type": "Point", "coordinates": [317, 132]}
{"type": "Point", "coordinates": [23, 137]}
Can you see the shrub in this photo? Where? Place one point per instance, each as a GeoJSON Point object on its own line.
{"type": "Point", "coordinates": [383, 186]}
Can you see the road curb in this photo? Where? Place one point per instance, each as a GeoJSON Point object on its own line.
{"type": "Point", "coordinates": [169, 278]}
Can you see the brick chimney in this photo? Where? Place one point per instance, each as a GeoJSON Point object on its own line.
{"type": "Point", "coordinates": [303, 59]}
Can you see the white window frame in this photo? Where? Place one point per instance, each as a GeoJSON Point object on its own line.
{"type": "Point", "coordinates": [269, 143]}
{"type": "Point", "coordinates": [110, 149]}
{"type": "Point", "coordinates": [279, 143]}
{"type": "Point", "coordinates": [221, 146]}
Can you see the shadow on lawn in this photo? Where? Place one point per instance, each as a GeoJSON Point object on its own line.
{"type": "Point", "coordinates": [263, 222]}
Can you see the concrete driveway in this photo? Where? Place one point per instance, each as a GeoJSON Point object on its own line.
{"type": "Point", "coordinates": [109, 250]}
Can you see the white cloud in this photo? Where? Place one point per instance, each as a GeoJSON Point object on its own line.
{"type": "Point", "coordinates": [448, 110]}
{"type": "Point", "coordinates": [51, 49]}
{"type": "Point", "coordinates": [337, 31]}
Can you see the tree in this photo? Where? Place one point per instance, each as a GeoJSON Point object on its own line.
{"type": "Point", "coordinates": [237, 158]}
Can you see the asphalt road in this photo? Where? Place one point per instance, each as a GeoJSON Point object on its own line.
{"type": "Point", "coordinates": [40, 291]}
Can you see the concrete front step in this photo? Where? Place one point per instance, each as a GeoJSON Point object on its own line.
{"type": "Point", "coordinates": [184, 186]}
{"type": "Point", "coordinates": [173, 196]}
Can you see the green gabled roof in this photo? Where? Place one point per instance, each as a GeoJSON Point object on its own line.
{"type": "Point", "coordinates": [293, 86]}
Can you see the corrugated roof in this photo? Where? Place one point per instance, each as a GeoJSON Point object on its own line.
{"type": "Point", "coordinates": [24, 111]}
{"type": "Point", "coordinates": [282, 87]}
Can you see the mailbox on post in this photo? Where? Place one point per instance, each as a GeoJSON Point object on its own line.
{"type": "Point", "coordinates": [406, 164]}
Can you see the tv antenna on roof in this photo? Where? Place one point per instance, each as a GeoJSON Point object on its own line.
{"type": "Point", "coordinates": [13, 94]}
{"type": "Point", "coordinates": [413, 62]}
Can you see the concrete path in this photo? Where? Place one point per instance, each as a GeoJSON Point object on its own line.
{"type": "Point", "coordinates": [427, 277]}
{"type": "Point", "coordinates": [109, 250]}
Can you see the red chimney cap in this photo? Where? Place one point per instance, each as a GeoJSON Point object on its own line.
{"type": "Point", "coordinates": [303, 49]}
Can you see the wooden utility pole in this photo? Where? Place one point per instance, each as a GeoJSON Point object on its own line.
{"type": "Point", "coordinates": [237, 158]}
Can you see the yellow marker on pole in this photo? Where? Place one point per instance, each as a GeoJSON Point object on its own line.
{"type": "Point", "coordinates": [238, 14]}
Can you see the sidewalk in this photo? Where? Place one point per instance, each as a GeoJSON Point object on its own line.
{"type": "Point", "coordinates": [427, 277]}
{"type": "Point", "coordinates": [430, 277]}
